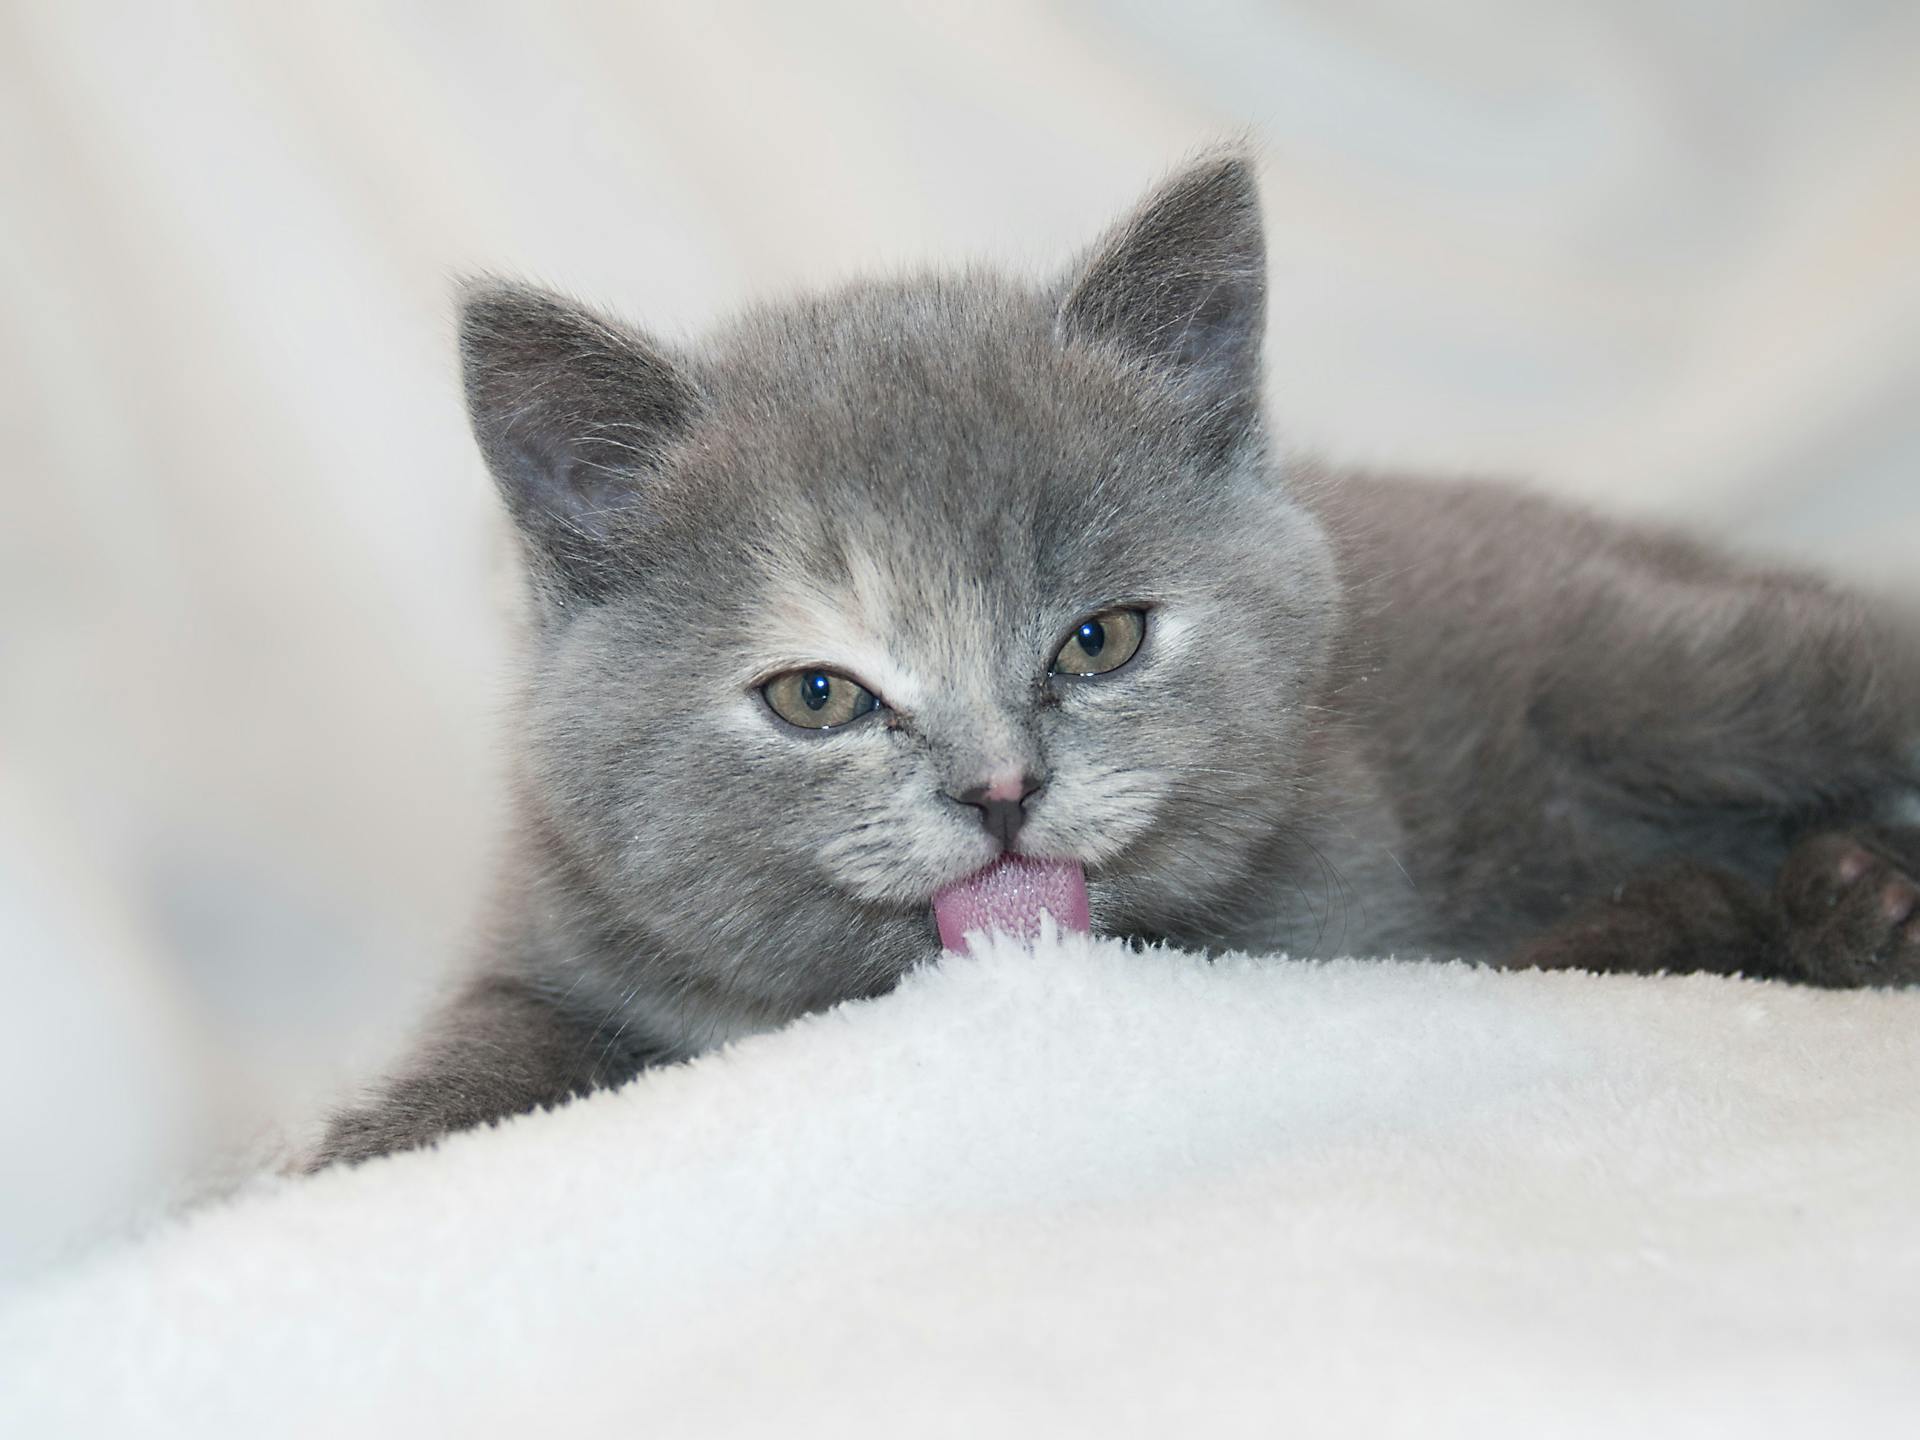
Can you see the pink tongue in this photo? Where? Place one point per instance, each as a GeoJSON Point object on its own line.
{"type": "Point", "coordinates": [1009, 895]}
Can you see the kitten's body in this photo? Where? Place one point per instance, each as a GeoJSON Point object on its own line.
{"type": "Point", "coordinates": [1552, 701]}
{"type": "Point", "coordinates": [1368, 716]}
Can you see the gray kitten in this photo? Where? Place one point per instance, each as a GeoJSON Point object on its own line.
{"type": "Point", "coordinates": [932, 604]}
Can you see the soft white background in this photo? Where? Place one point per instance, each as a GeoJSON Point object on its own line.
{"type": "Point", "coordinates": [1658, 255]}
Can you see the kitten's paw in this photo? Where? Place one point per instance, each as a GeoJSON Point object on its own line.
{"type": "Point", "coordinates": [1852, 909]}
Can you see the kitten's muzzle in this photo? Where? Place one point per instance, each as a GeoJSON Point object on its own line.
{"type": "Point", "coordinates": [1002, 803]}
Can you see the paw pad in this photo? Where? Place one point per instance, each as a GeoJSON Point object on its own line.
{"type": "Point", "coordinates": [1852, 913]}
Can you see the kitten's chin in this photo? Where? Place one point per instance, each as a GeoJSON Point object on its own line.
{"type": "Point", "coordinates": [1011, 896]}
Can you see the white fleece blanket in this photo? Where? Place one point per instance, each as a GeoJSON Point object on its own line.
{"type": "Point", "coordinates": [1087, 1191]}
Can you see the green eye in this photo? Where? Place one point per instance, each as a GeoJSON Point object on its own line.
{"type": "Point", "coordinates": [1101, 643]}
{"type": "Point", "coordinates": [817, 699]}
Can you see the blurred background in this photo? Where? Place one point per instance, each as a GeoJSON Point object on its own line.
{"type": "Point", "coordinates": [254, 596]}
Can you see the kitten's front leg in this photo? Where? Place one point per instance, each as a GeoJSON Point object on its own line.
{"type": "Point", "coordinates": [1844, 912]}
{"type": "Point", "coordinates": [502, 1048]}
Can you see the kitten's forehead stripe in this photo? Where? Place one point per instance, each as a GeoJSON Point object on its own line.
{"type": "Point", "coordinates": [806, 627]}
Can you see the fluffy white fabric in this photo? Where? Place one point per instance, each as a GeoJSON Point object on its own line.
{"type": "Point", "coordinates": [1086, 1191]}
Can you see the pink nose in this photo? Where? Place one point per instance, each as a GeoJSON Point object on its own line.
{"type": "Point", "coordinates": [1008, 785]}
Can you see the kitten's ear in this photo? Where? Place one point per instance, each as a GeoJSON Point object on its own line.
{"type": "Point", "coordinates": [1181, 285]}
{"type": "Point", "coordinates": [572, 413]}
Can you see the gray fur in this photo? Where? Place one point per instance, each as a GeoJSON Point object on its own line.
{"type": "Point", "coordinates": [1369, 715]}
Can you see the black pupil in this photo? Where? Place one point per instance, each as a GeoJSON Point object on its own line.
{"type": "Point", "coordinates": [1092, 637]}
{"type": "Point", "coordinates": [815, 687]}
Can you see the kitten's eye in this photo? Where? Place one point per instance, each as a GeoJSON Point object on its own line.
{"type": "Point", "coordinates": [1101, 643]}
{"type": "Point", "coordinates": [817, 699]}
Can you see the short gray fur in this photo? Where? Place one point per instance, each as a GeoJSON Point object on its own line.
{"type": "Point", "coordinates": [1371, 715]}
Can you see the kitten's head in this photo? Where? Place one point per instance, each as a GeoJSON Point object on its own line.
{"type": "Point", "coordinates": [812, 602]}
